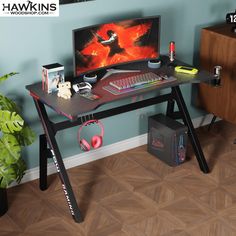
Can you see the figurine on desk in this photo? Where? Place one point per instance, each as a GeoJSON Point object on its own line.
{"type": "Point", "coordinates": [64, 90]}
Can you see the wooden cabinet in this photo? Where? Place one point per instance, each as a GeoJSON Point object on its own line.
{"type": "Point", "coordinates": [218, 47]}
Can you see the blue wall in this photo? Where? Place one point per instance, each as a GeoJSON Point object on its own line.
{"type": "Point", "coordinates": [28, 43]}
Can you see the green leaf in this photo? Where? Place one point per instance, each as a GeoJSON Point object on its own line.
{"type": "Point", "coordinates": [5, 77]}
{"type": "Point", "coordinates": [20, 168]}
{"type": "Point", "coordinates": [10, 150]}
{"type": "Point", "coordinates": [10, 121]}
{"type": "Point", "coordinates": [14, 134]}
{"type": "Point", "coordinates": [26, 136]}
{"type": "Point", "coordinates": [7, 175]}
{"type": "Point", "coordinates": [8, 104]}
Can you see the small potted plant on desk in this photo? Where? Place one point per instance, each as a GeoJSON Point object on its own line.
{"type": "Point", "coordinates": [14, 134]}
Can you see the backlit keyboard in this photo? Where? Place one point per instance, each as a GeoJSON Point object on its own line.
{"type": "Point", "coordinates": [137, 80]}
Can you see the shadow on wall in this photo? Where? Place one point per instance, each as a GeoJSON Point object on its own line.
{"type": "Point", "coordinates": [218, 11]}
{"type": "Point", "coordinates": [171, 15]}
{"type": "Point", "coordinates": [168, 28]}
{"type": "Point", "coordinates": [197, 41]}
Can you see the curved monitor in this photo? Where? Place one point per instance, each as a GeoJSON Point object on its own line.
{"type": "Point", "coordinates": [111, 44]}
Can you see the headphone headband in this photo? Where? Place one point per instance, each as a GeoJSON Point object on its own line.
{"type": "Point", "coordinates": [89, 122]}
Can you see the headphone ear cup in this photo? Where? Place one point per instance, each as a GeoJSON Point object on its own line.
{"type": "Point", "coordinates": [96, 141]}
{"type": "Point", "coordinates": [84, 145]}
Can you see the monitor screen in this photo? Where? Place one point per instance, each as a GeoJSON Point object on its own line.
{"type": "Point", "coordinates": [111, 44]}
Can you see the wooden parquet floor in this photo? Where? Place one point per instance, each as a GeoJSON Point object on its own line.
{"type": "Point", "coordinates": [135, 194]}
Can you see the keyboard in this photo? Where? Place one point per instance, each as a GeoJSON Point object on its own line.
{"type": "Point", "coordinates": [138, 80]}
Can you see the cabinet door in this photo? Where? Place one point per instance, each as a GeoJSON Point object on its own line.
{"type": "Point", "coordinates": [218, 49]}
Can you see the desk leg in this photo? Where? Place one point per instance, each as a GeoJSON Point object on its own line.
{"type": "Point", "coordinates": [43, 162]}
{"type": "Point", "coordinates": [170, 107]}
{"type": "Point", "coordinates": [191, 131]}
{"type": "Point", "coordinates": [57, 158]}
{"type": "Point", "coordinates": [212, 122]}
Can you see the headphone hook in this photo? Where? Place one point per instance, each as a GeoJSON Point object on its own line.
{"type": "Point", "coordinates": [81, 120]}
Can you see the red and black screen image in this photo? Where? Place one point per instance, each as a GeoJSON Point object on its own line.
{"type": "Point", "coordinates": [115, 43]}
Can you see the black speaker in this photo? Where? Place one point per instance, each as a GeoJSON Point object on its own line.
{"type": "Point", "coordinates": [167, 139]}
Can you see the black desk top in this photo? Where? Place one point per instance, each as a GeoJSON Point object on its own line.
{"type": "Point", "coordinates": [77, 105]}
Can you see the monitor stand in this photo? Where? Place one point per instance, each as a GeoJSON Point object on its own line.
{"type": "Point", "coordinates": [115, 71]}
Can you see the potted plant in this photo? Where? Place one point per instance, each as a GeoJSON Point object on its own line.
{"type": "Point", "coordinates": [14, 135]}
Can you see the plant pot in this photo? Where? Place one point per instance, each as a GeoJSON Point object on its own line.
{"type": "Point", "coordinates": [3, 201]}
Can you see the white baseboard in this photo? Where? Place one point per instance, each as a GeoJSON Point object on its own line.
{"type": "Point", "coordinates": [104, 151]}
{"type": "Point", "coordinates": [87, 157]}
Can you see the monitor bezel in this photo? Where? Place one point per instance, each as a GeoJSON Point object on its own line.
{"type": "Point", "coordinates": [116, 64]}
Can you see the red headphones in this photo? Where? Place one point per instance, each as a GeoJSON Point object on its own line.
{"type": "Point", "coordinates": [96, 140]}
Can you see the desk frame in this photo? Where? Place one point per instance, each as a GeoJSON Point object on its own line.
{"type": "Point", "coordinates": [49, 148]}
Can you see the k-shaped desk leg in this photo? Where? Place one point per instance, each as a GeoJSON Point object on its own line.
{"type": "Point", "coordinates": [43, 161]}
{"type": "Point", "coordinates": [191, 131]}
{"type": "Point", "coordinates": [57, 158]}
{"type": "Point", "coordinates": [170, 107]}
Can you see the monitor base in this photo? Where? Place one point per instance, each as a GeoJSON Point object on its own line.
{"type": "Point", "coordinates": [116, 71]}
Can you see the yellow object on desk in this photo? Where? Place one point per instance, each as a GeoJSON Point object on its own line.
{"type": "Point", "coordinates": [186, 70]}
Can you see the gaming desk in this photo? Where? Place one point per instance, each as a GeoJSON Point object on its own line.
{"type": "Point", "coordinates": [79, 109]}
